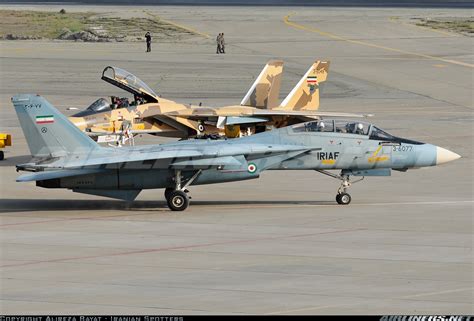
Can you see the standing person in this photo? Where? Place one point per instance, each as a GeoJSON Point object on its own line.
{"type": "Point", "coordinates": [222, 45]}
{"type": "Point", "coordinates": [218, 41]}
{"type": "Point", "coordinates": [148, 41]}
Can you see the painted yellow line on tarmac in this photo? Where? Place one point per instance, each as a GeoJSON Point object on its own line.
{"type": "Point", "coordinates": [435, 293]}
{"type": "Point", "coordinates": [82, 49]}
{"type": "Point", "coordinates": [397, 21]}
{"type": "Point", "coordinates": [349, 304]}
{"type": "Point", "coordinates": [179, 26]}
{"type": "Point", "coordinates": [287, 21]}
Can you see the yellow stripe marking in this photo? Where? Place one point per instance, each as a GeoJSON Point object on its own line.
{"type": "Point", "coordinates": [435, 293]}
{"type": "Point", "coordinates": [55, 49]}
{"type": "Point", "coordinates": [292, 311]}
{"type": "Point", "coordinates": [377, 151]}
{"type": "Point", "coordinates": [328, 162]}
{"type": "Point", "coordinates": [287, 21]}
{"type": "Point", "coordinates": [179, 26]}
{"type": "Point", "coordinates": [374, 158]}
{"type": "Point", "coordinates": [378, 159]}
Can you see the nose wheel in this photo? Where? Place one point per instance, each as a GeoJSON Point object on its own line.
{"type": "Point", "coordinates": [342, 197]}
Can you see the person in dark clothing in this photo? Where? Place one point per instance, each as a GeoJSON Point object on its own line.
{"type": "Point", "coordinates": [222, 43]}
{"type": "Point", "coordinates": [148, 41]}
{"type": "Point", "coordinates": [218, 41]}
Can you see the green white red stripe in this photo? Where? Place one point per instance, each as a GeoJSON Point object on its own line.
{"type": "Point", "coordinates": [47, 119]}
{"type": "Point", "coordinates": [312, 80]}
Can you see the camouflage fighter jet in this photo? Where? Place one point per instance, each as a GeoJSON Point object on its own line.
{"type": "Point", "coordinates": [257, 112]}
{"type": "Point", "coordinates": [65, 157]}
{"type": "Point", "coordinates": [107, 121]}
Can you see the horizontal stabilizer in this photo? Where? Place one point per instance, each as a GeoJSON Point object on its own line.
{"type": "Point", "coordinates": [307, 113]}
{"type": "Point", "coordinates": [244, 120]}
{"type": "Point", "coordinates": [40, 176]}
{"type": "Point", "coordinates": [227, 115]}
{"type": "Point", "coordinates": [125, 195]}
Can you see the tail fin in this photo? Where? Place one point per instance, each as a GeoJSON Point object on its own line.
{"type": "Point", "coordinates": [305, 95]}
{"type": "Point", "coordinates": [47, 131]}
{"type": "Point", "coordinates": [266, 88]}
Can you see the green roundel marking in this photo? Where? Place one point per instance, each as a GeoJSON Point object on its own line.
{"type": "Point", "coordinates": [252, 168]}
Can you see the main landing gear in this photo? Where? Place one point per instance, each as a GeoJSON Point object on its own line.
{"type": "Point", "coordinates": [177, 197]}
{"type": "Point", "coordinates": [342, 197]}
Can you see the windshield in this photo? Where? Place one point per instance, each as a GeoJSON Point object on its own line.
{"type": "Point", "coordinates": [98, 106]}
{"type": "Point", "coordinates": [379, 134]}
{"type": "Point", "coordinates": [129, 82]}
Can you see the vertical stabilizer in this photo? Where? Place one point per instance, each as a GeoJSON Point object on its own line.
{"type": "Point", "coordinates": [305, 95]}
{"type": "Point", "coordinates": [47, 131]}
{"type": "Point", "coordinates": [265, 90]}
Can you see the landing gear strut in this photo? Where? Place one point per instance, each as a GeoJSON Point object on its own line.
{"type": "Point", "coordinates": [177, 197]}
{"type": "Point", "coordinates": [342, 197]}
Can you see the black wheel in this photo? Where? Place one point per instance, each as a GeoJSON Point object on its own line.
{"type": "Point", "coordinates": [168, 192]}
{"type": "Point", "coordinates": [2, 156]}
{"type": "Point", "coordinates": [343, 198]}
{"type": "Point", "coordinates": [178, 201]}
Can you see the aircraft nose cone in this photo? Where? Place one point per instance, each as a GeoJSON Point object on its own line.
{"type": "Point", "coordinates": [444, 156]}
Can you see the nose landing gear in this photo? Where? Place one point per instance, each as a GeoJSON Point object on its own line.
{"type": "Point", "coordinates": [342, 197]}
{"type": "Point", "coordinates": [177, 197]}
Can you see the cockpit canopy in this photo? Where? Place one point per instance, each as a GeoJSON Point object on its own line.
{"type": "Point", "coordinates": [129, 82]}
{"type": "Point", "coordinates": [338, 126]}
{"type": "Point", "coordinates": [98, 106]}
{"type": "Point", "coordinates": [350, 127]}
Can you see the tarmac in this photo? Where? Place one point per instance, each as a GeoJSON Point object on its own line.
{"type": "Point", "coordinates": [277, 245]}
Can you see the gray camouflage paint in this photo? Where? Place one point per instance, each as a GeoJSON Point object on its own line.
{"type": "Point", "coordinates": [64, 157]}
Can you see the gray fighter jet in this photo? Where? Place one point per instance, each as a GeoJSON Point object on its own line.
{"type": "Point", "coordinates": [65, 157]}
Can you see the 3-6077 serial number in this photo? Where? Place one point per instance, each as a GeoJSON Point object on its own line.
{"type": "Point", "coordinates": [405, 148]}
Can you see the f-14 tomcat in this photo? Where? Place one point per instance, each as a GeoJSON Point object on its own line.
{"type": "Point", "coordinates": [65, 157]}
{"type": "Point", "coordinates": [258, 111]}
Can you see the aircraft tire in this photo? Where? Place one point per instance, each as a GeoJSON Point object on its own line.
{"type": "Point", "coordinates": [343, 199]}
{"type": "Point", "coordinates": [178, 201]}
{"type": "Point", "coordinates": [2, 155]}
